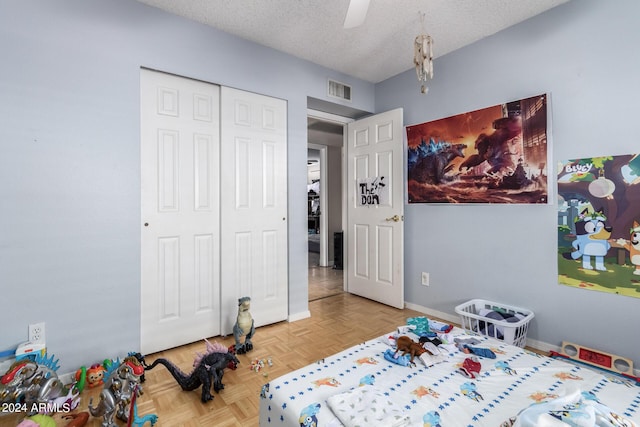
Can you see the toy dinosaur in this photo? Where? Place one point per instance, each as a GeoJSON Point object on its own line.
{"type": "Point", "coordinates": [244, 326]}
{"type": "Point", "coordinates": [121, 385]}
{"type": "Point", "coordinates": [35, 384]}
{"type": "Point", "coordinates": [208, 370]}
{"type": "Point", "coordinates": [140, 358]}
{"type": "Point", "coordinates": [134, 419]}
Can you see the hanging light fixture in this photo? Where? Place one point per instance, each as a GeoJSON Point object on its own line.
{"type": "Point", "coordinates": [602, 187]}
{"type": "Point", "coordinates": [423, 57]}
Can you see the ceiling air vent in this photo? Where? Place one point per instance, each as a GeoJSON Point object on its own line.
{"type": "Point", "coordinates": [339, 90]}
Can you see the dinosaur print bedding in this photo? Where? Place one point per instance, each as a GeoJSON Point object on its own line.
{"type": "Point", "coordinates": [360, 386]}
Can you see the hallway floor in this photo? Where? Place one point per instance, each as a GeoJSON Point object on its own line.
{"type": "Point", "coordinates": [323, 281]}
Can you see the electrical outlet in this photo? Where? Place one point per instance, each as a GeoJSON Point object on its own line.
{"type": "Point", "coordinates": [425, 279]}
{"type": "Point", "coordinates": [36, 333]}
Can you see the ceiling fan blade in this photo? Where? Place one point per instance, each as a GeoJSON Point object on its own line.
{"type": "Point", "coordinates": [356, 13]}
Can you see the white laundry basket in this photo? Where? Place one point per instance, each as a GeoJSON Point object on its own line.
{"type": "Point", "coordinates": [473, 320]}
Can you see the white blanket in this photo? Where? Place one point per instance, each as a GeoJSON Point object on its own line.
{"type": "Point", "coordinates": [575, 409]}
{"type": "Point", "coordinates": [367, 406]}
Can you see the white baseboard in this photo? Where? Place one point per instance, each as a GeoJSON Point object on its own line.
{"type": "Point", "coordinates": [435, 313]}
{"type": "Point", "coordinates": [299, 316]}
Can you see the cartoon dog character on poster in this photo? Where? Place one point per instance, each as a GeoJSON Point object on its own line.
{"type": "Point", "coordinates": [592, 234]}
{"type": "Point", "coordinates": [633, 246]}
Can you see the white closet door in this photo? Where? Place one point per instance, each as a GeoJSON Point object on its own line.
{"type": "Point", "coordinates": [253, 206]}
{"type": "Point", "coordinates": [180, 242]}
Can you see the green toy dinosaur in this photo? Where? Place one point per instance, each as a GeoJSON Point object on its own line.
{"type": "Point", "coordinates": [244, 326]}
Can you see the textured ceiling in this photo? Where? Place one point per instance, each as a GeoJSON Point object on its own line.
{"type": "Point", "coordinates": [374, 51]}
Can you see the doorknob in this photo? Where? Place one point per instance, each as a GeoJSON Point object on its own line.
{"type": "Point", "coordinates": [394, 218]}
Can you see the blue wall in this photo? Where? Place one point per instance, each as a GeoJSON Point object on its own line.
{"type": "Point", "coordinates": [585, 54]}
{"type": "Point", "coordinates": [70, 164]}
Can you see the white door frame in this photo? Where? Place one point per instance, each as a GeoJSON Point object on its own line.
{"type": "Point", "coordinates": [324, 235]}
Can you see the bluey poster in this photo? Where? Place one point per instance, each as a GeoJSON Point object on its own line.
{"type": "Point", "coordinates": [599, 224]}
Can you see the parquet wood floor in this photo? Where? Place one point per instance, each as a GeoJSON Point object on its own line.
{"type": "Point", "coordinates": [323, 281]}
{"type": "Point", "coordinates": [336, 323]}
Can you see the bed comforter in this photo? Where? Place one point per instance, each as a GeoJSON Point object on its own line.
{"type": "Point", "coordinates": [441, 395]}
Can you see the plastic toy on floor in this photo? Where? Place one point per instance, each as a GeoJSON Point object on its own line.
{"type": "Point", "coordinates": [208, 370]}
{"type": "Point", "coordinates": [95, 375]}
{"type": "Point", "coordinates": [38, 420]}
{"type": "Point", "coordinates": [244, 326]}
{"type": "Point", "coordinates": [597, 359]}
{"type": "Point", "coordinates": [140, 358]}
{"type": "Point", "coordinates": [137, 421]}
{"type": "Point", "coordinates": [121, 385]}
{"type": "Point", "coordinates": [35, 384]}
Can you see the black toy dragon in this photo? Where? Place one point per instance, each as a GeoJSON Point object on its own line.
{"type": "Point", "coordinates": [208, 370]}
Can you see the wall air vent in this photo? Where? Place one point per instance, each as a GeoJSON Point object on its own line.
{"type": "Point", "coordinates": [339, 90]}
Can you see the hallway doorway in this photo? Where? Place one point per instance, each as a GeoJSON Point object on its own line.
{"type": "Point", "coordinates": [325, 201]}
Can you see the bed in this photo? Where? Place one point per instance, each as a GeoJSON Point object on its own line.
{"type": "Point", "coordinates": [517, 387]}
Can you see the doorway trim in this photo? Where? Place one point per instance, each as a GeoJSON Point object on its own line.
{"type": "Point", "coordinates": [324, 235]}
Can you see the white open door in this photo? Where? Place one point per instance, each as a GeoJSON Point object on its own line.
{"type": "Point", "coordinates": [375, 208]}
{"type": "Point", "coordinates": [180, 144]}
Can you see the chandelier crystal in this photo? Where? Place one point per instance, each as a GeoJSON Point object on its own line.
{"type": "Point", "coordinates": [423, 57]}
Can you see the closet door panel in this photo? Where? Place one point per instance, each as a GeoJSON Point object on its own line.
{"type": "Point", "coordinates": [254, 171]}
{"type": "Point", "coordinates": [180, 218]}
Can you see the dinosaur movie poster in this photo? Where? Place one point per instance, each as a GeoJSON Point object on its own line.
{"type": "Point", "coordinates": [599, 224]}
{"type": "Point", "coordinates": [493, 155]}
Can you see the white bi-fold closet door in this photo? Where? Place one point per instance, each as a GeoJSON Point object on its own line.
{"type": "Point", "coordinates": [214, 205]}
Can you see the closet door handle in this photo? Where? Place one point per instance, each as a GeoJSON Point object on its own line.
{"type": "Point", "coordinates": [394, 218]}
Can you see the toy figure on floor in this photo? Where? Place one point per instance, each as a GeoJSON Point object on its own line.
{"type": "Point", "coordinates": [95, 375]}
{"type": "Point", "coordinates": [244, 326]}
{"type": "Point", "coordinates": [142, 362]}
{"type": "Point", "coordinates": [40, 420]}
{"type": "Point", "coordinates": [121, 385]}
{"type": "Point", "coordinates": [208, 370]}
{"type": "Point", "coordinates": [35, 382]}
{"type": "Point", "coordinates": [134, 419]}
